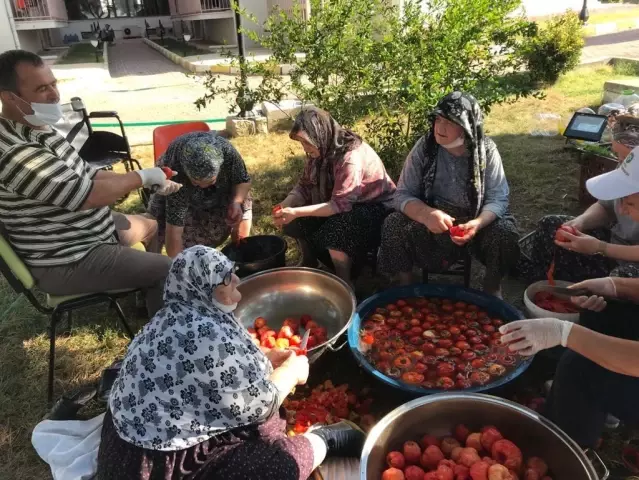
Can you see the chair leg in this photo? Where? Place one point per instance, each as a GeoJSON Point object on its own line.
{"type": "Point", "coordinates": [120, 313]}
{"type": "Point", "coordinates": [52, 327]}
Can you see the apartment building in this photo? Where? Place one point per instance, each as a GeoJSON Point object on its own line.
{"type": "Point", "coordinates": [39, 25]}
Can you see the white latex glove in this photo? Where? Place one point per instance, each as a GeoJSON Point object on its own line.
{"type": "Point", "coordinates": [152, 176]}
{"type": "Point", "coordinates": [169, 188]}
{"type": "Point", "coordinates": [527, 337]}
{"type": "Point", "coordinates": [600, 287]}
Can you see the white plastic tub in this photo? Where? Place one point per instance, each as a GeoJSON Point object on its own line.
{"type": "Point", "coordinates": [536, 312]}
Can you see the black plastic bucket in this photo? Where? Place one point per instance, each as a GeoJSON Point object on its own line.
{"type": "Point", "coordinates": [256, 254]}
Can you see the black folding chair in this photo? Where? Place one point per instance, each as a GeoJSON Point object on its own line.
{"type": "Point", "coordinates": [99, 148]}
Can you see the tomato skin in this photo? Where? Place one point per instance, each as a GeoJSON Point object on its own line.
{"type": "Point", "coordinates": [560, 237]}
{"type": "Point", "coordinates": [168, 172]}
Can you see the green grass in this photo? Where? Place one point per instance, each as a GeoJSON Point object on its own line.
{"type": "Point", "coordinates": [543, 178]}
{"type": "Point", "coordinates": [79, 53]}
{"type": "Point", "coordinates": [180, 48]}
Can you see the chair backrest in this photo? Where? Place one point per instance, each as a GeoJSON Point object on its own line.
{"type": "Point", "coordinates": [163, 136]}
{"type": "Point", "coordinates": [73, 124]}
{"type": "Point", "coordinates": [13, 268]}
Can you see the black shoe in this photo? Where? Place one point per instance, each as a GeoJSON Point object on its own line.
{"type": "Point", "coordinates": [343, 439]}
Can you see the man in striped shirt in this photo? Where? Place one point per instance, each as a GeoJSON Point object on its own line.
{"type": "Point", "coordinates": [54, 207]}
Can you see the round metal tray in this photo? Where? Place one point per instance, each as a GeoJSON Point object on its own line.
{"type": "Point", "coordinates": [491, 304]}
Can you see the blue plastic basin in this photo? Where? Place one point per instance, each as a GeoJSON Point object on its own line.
{"type": "Point", "coordinates": [494, 306]}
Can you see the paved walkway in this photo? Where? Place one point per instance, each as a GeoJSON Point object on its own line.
{"type": "Point", "coordinates": [133, 57]}
{"type": "Point", "coordinates": [602, 47]}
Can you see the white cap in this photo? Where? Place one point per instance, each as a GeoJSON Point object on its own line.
{"type": "Point", "coordinates": [619, 183]}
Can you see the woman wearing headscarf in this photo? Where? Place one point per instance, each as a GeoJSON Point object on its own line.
{"type": "Point", "coordinates": [196, 399]}
{"type": "Point", "coordinates": [606, 241]}
{"type": "Point", "coordinates": [342, 198]}
{"type": "Point", "coordinates": [214, 201]}
{"type": "Point", "coordinates": [452, 177]}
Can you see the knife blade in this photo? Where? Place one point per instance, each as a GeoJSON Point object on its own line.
{"type": "Point", "coordinates": [568, 292]}
{"type": "Point", "coordinates": [302, 350]}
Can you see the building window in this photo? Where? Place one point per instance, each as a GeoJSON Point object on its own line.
{"type": "Point", "coordinates": [103, 9]}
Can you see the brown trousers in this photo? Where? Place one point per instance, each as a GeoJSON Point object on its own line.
{"type": "Point", "coordinates": [114, 266]}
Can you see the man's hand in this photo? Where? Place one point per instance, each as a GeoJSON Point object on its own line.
{"type": "Point", "coordinates": [527, 337]}
{"type": "Point", "coordinates": [580, 243]}
{"type": "Point", "coordinates": [234, 214]}
{"type": "Point", "coordinates": [284, 216]}
{"type": "Point", "coordinates": [437, 221]}
{"type": "Point", "coordinates": [169, 188]}
{"type": "Point", "coordinates": [153, 176]}
{"type": "Point", "coordinates": [470, 230]}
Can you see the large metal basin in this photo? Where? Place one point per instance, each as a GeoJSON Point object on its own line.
{"type": "Point", "coordinates": [292, 292]}
{"type": "Point", "coordinates": [438, 414]}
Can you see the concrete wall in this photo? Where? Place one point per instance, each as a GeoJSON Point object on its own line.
{"type": "Point", "coordinates": [8, 36]}
{"type": "Point", "coordinates": [219, 31]}
{"type": "Point", "coordinates": [260, 10]}
{"type": "Point", "coordinates": [117, 24]}
{"type": "Point", "coordinates": [30, 40]}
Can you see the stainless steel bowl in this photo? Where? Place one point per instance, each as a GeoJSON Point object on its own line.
{"type": "Point", "coordinates": [438, 414]}
{"type": "Point", "coordinates": [292, 292]}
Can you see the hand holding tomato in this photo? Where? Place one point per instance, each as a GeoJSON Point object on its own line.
{"type": "Point", "coordinates": [437, 221]}
{"type": "Point", "coordinates": [284, 215]}
{"type": "Point", "coordinates": [468, 231]}
{"type": "Point", "coordinates": [277, 357]}
{"type": "Point", "coordinates": [298, 367]}
{"type": "Point", "coordinates": [576, 241]}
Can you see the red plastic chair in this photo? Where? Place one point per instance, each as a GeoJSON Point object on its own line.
{"type": "Point", "coordinates": [163, 136]}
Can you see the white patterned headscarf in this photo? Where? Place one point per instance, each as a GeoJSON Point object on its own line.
{"type": "Point", "coordinates": [193, 372]}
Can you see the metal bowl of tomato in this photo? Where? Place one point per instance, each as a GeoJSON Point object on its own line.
{"type": "Point", "coordinates": [280, 294]}
{"type": "Point", "coordinates": [457, 348]}
{"type": "Point", "coordinates": [442, 415]}
{"type": "Point", "coordinates": [540, 304]}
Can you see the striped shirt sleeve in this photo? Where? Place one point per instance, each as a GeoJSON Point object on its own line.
{"type": "Point", "coordinates": [34, 172]}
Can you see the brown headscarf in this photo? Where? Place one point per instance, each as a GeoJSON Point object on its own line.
{"type": "Point", "coordinates": [317, 127]}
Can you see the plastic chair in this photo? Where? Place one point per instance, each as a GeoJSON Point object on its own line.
{"type": "Point", "coordinates": [100, 148]}
{"type": "Point", "coordinates": [21, 280]}
{"type": "Point", "coordinates": [163, 136]}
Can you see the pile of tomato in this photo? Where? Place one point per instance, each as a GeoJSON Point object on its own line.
{"type": "Point", "coordinates": [436, 343]}
{"type": "Point", "coordinates": [327, 404]}
{"type": "Point", "coordinates": [552, 303]}
{"type": "Point", "coordinates": [290, 334]}
{"type": "Point", "coordinates": [483, 455]}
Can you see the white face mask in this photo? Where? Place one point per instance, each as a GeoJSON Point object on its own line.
{"type": "Point", "coordinates": [455, 143]}
{"type": "Point", "coordinates": [43, 113]}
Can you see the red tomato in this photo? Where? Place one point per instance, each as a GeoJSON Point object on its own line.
{"type": "Point", "coordinates": [445, 383]}
{"type": "Point", "coordinates": [462, 345]}
{"type": "Point", "coordinates": [468, 355]}
{"type": "Point", "coordinates": [285, 332]}
{"type": "Point", "coordinates": [368, 339]}
{"type": "Point", "coordinates": [454, 330]}
{"type": "Point", "coordinates": [445, 370]}
{"type": "Point", "coordinates": [564, 228]}
{"type": "Point", "coordinates": [295, 340]}
{"type": "Point", "coordinates": [444, 343]}
{"type": "Point", "coordinates": [168, 172]}
{"type": "Point", "coordinates": [456, 231]}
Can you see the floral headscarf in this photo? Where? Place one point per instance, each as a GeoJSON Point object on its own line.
{"type": "Point", "coordinates": [464, 110]}
{"type": "Point", "coordinates": [197, 153]}
{"type": "Point", "coordinates": [193, 372]}
{"type": "Point", "coordinates": [332, 140]}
